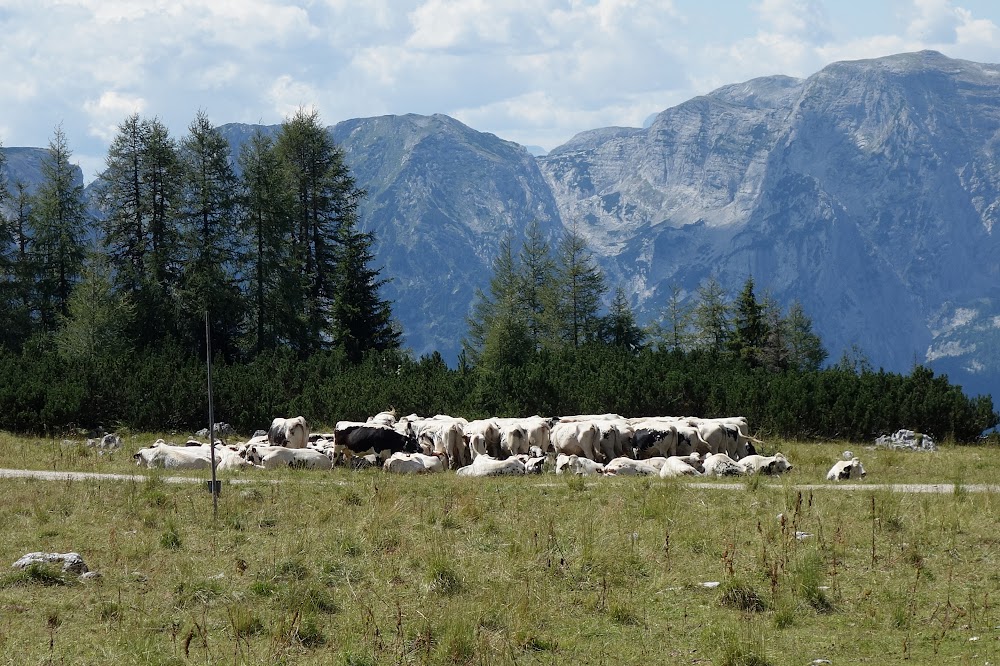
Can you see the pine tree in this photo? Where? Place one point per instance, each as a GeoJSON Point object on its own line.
{"type": "Point", "coordinates": [711, 316]}
{"type": "Point", "coordinates": [208, 241]}
{"type": "Point", "coordinates": [537, 277]}
{"type": "Point", "coordinates": [58, 224]}
{"type": "Point", "coordinates": [579, 287]}
{"type": "Point", "coordinates": [620, 329]}
{"type": "Point", "coordinates": [362, 320]}
{"type": "Point", "coordinates": [267, 220]}
{"type": "Point", "coordinates": [749, 331]}
{"type": "Point", "coordinates": [805, 347]}
{"type": "Point", "coordinates": [139, 197]}
{"type": "Point", "coordinates": [325, 194]}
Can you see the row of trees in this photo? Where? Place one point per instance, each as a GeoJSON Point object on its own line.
{"type": "Point", "coordinates": [268, 246]}
{"type": "Point", "coordinates": [106, 316]}
{"type": "Point", "coordinates": [540, 298]}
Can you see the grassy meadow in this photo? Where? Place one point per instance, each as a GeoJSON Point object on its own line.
{"type": "Point", "coordinates": [364, 568]}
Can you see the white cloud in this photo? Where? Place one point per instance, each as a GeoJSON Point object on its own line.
{"type": "Point", "coordinates": [108, 110]}
{"type": "Point", "coordinates": [804, 19]}
{"type": "Point", "coordinates": [287, 96]}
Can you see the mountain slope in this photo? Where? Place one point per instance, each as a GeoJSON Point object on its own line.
{"type": "Point", "coordinates": [868, 191]}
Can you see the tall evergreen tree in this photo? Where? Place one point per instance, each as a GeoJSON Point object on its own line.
{"type": "Point", "coordinates": [139, 197]}
{"type": "Point", "coordinates": [272, 290]}
{"type": "Point", "coordinates": [537, 277]}
{"type": "Point", "coordinates": [500, 308]}
{"type": "Point", "coordinates": [775, 351]}
{"type": "Point", "coordinates": [673, 333]}
{"type": "Point", "coordinates": [362, 320]}
{"type": "Point", "coordinates": [325, 194]}
{"type": "Point", "coordinates": [805, 349]}
{"type": "Point", "coordinates": [58, 224]}
{"type": "Point", "coordinates": [207, 216]}
{"type": "Point", "coordinates": [620, 329]}
{"type": "Point", "coordinates": [749, 331]}
{"type": "Point", "coordinates": [712, 316]}
{"type": "Point", "coordinates": [579, 288]}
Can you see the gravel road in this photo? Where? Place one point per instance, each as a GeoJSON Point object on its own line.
{"type": "Point", "coordinates": [894, 487]}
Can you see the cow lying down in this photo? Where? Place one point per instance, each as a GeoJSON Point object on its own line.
{"type": "Point", "coordinates": [413, 463]}
{"type": "Point", "coordinates": [489, 466]}
{"type": "Point", "coordinates": [845, 470]}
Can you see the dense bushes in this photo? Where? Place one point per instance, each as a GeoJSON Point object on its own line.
{"type": "Point", "coordinates": [165, 389]}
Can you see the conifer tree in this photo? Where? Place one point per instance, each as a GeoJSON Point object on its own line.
{"type": "Point", "coordinates": [207, 218]}
{"type": "Point", "coordinates": [711, 316]}
{"type": "Point", "coordinates": [749, 330]}
{"type": "Point", "coordinates": [362, 320]}
{"type": "Point", "coordinates": [325, 194]}
{"type": "Point", "coordinates": [57, 226]}
{"type": "Point", "coordinates": [620, 329]}
{"type": "Point", "coordinates": [537, 278]}
{"type": "Point", "coordinates": [673, 333]}
{"type": "Point", "coordinates": [139, 197]}
{"type": "Point", "coordinates": [579, 287]}
{"type": "Point", "coordinates": [500, 308]}
{"type": "Point", "coordinates": [272, 290]}
{"type": "Point", "coordinates": [806, 350]}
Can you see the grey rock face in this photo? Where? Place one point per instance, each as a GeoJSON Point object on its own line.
{"type": "Point", "coordinates": [868, 191]}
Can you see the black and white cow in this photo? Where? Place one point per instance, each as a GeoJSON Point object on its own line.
{"type": "Point", "coordinates": [360, 439]}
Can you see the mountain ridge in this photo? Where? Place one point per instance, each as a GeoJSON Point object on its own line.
{"type": "Point", "coordinates": [868, 191]}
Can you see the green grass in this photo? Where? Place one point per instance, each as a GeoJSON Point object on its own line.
{"type": "Point", "coordinates": [362, 568]}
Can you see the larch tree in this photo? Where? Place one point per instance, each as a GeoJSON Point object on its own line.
{"type": "Point", "coordinates": [57, 223]}
{"type": "Point", "coordinates": [208, 240]}
{"type": "Point", "coordinates": [501, 307]}
{"type": "Point", "coordinates": [579, 286]}
{"type": "Point", "coordinates": [272, 290]}
{"type": "Point", "coordinates": [323, 191]}
{"type": "Point", "coordinates": [138, 195]}
{"type": "Point", "coordinates": [673, 332]}
{"type": "Point", "coordinates": [805, 349]}
{"type": "Point", "coordinates": [536, 280]}
{"type": "Point", "coordinates": [712, 316]}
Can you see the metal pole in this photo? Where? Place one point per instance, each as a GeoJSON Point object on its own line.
{"type": "Point", "coordinates": [214, 487]}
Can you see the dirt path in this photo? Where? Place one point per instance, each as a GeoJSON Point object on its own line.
{"type": "Point", "coordinates": [940, 488]}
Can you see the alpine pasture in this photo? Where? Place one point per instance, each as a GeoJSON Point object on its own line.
{"type": "Point", "coordinates": [363, 567]}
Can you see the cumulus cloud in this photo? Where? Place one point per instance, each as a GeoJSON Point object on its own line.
{"type": "Point", "coordinates": [535, 71]}
{"type": "Point", "coordinates": [106, 112]}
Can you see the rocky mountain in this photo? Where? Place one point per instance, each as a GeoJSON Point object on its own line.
{"type": "Point", "coordinates": [867, 191]}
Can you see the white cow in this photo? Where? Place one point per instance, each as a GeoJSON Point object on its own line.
{"type": "Point", "coordinates": [758, 464]}
{"type": "Point", "coordinates": [292, 433]}
{"type": "Point", "coordinates": [577, 438]}
{"type": "Point", "coordinates": [625, 466]}
{"type": "Point", "coordinates": [277, 457]}
{"type": "Point", "coordinates": [579, 465]}
{"type": "Point", "coordinates": [675, 466]}
{"type": "Point", "coordinates": [482, 437]}
{"type": "Point", "coordinates": [846, 469]}
{"type": "Point", "coordinates": [720, 464]}
{"type": "Point", "coordinates": [173, 457]}
{"type": "Point", "coordinates": [489, 466]}
{"type": "Point", "coordinates": [413, 463]}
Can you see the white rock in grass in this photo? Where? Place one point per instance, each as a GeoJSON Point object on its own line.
{"type": "Point", "coordinates": [71, 562]}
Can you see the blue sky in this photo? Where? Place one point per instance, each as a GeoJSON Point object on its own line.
{"type": "Point", "coordinates": [532, 71]}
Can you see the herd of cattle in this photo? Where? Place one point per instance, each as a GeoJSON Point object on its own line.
{"type": "Point", "coordinates": [605, 444]}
